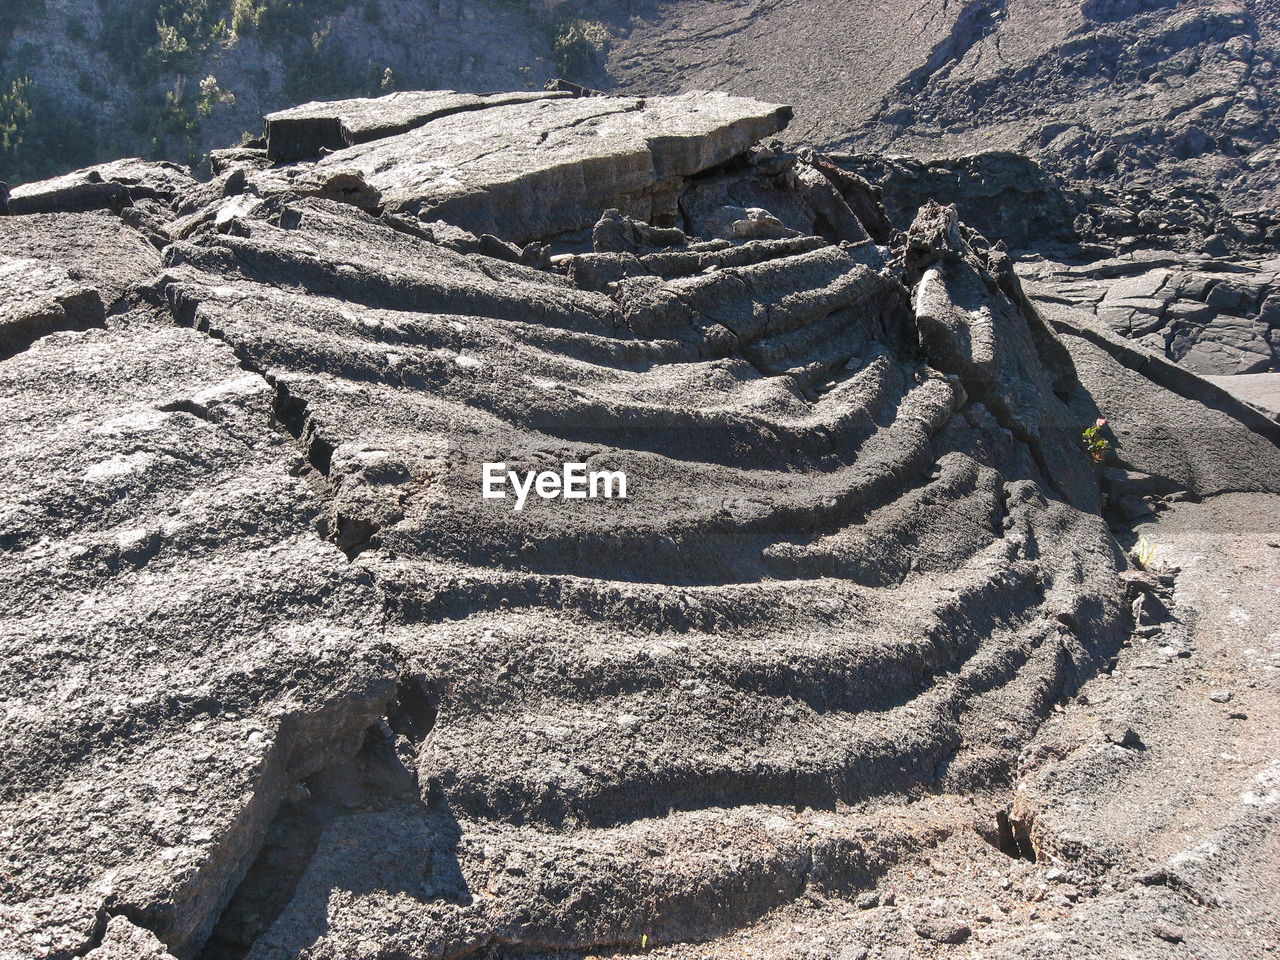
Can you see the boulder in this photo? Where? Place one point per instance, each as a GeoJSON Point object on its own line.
{"type": "Point", "coordinates": [308, 130]}
{"type": "Point", "coordinates": [528, 171]}
{"type": "Point", "coordinates": [109, 186]}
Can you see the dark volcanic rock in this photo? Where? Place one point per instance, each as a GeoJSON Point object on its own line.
{"type": "Point", "coordinates": [532, 170]}
{"type": "Point", "coordinates": [111, 186]}
{"type": "Point", "coordinates": [169, 696]}
{"type": "Point", "coordinates": [1150, 96]}
{"type": "Point", "coordinates": [65, 272]}
{"type": "Point", "coordinates": [1211, 317]}
{"type": "Point", "coordinates": [36, 299]}
{"type": "Point", "coordinates": [279, 680]}
{"type": "Point", "coordinates": [1005, 196]}
{"type": "Point", "coordinates": [305, 131]}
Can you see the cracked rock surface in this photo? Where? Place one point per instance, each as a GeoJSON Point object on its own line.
{"type": "Point", "coordinates": [1120, 93]}
{"type": "Point", "coordinates": [279, 682]}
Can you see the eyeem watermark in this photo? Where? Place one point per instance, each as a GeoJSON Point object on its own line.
{"type": "Point", "coordinates": [572, 483]}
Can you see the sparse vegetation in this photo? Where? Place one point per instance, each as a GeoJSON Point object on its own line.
{"type": "Point", "coordinates": [1095, 444]}
{"type": "Point", "coordinates": [165, 49]}
{"type": "Point", "coordinates": [35, 127]}
{"type": "Point", "coordinates": [578, 44]}
{"type": "Point", "coordinates": [1143, 554]}
{"type": "Point", "coordinates": [211, 96]}
{"type": "Point", "coordinates": [170, 56]}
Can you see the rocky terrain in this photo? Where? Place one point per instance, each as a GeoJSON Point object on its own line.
{"type": "Point", "coordinates": [1075, 131]}
{"type": "Point", "coordinates": [873, 660]}
{"type": "Point", "coordinates": [1128, 94]}
{"type": "Point", "coordinates": [1168, 103]}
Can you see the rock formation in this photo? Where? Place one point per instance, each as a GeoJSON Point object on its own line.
{"type": "Point", "coordinates": [1143, 94]}
{"type": "Point", "coordinates": [278, 681]}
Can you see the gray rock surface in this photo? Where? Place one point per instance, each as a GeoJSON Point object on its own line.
{"type": "Point", "coordinates": [1216, 318]}
{"type": "Point", "coordinates": [1119, 94]}
{"type": "Point", "coordinates": [108, 186]}
{"type": "Point", "coordinates": [1181, 436]}
{"type": "Point", "coordinates": [304, 131]}
{"type": "Point", "coordinates": [1258, 389]}
{"type": "Point", "coordinates": [278, 681]}
{"type": "Point", "coordinates": [532, 170]}
{"type": "Point", "coordinates": [65, 272]}
{"type": "Point", "coordinates": [1004, 195]}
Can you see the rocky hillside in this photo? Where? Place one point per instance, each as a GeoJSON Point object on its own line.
{"type": "Point", "coordinates": [1167, 104]}
{"type": "Point", "coordinates": [860, 665]}
{"type": "Point", "coordinates": [84, 81]}
{"type": "Point", "coordinates": [1138, 94]}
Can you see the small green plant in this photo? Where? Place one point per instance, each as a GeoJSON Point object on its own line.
{"type": "Point", "coordinates": [1095, 444]}
{"type": "Point", "coordinates": [212, 96]}
{"type": "Point", "coordinates": [577, 45]}
{"type": "Point", "coordinates": [246, 16]}
{"type": "Point", "coordinates": [1144, 554]}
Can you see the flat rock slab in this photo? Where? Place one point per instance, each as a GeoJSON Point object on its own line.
{"type": "Point", "coordinates": [65, 272]}
{"type": "Point", "coordinates": [162, 636]}
{"type": "Point", "coordinates": [528, 171]}
{"type": "Point", "coordinates": [94, 248]}
{"type": "Point", "coordinates": [1212, 318]}
{"type": "Point", "coordinates": [109, 186]}
{"type": "Point", "coordinates": [1262, 390]}
{"type": "Point", "coordinates": [305, 130]}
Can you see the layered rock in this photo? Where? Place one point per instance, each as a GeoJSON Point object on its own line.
{"type": "Point", "coordinates": [279, 680]}
{"type": "Point", "coordinates": [305, 131]}
{"type": "Point", "coordinates": [1213, 318]}
{"type": "Point", "coordinates": [110, 186]}
{"type": "Point", "coordinates": [532, 170]}
{"type": "Point", "coordinates": [65, 273]}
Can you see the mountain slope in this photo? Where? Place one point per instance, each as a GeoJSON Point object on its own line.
{"type": "Point", "coordinates": [1126, 92]}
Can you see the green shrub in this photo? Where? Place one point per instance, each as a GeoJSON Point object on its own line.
{"type": "Point", "coordinates": [39, 135]}
{"type": "Point", "coordinates": [15, 122]}
{"type": "Point", "coordinates": [246, 16]}
{"type": "Point", "coordinates": [577, 45]}
{"type": "Point", "coordinates": [1095, 444]}
{"type": "Point", "coordinates": [212, 96]}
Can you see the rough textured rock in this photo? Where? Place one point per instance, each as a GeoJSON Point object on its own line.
{"type": "Point", "coordinates": [94, 249]}
{"type": "Point", "coordinates": [305, 131]}
{"type": "Point", "coordinates": [1003, 195]}
{"type": "Point", "coordinates": [1116, 93]}
{"type": "Point", "coordinates": [1213, 317]}
{"type": "Point", "coordinates": [278, 681]}
{"type": "Point", "coordinates": [157, 514]}
{"type": "Point", "coordinates": [532, 170]}
{"type": "Point", "coordinates": [36, 299]}
{"type": "Point", "coordinates": [1182, 436]}
{"type": "Point", "coordinates": [111, 186]}
{"type": "Point", "coordinates": [66, 272]}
